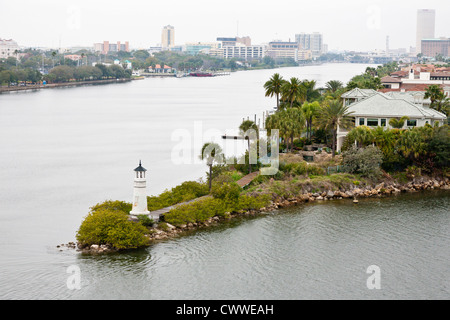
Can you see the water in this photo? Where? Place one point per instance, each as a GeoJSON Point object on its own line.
{"type": "Point", "coordinates": [63, 150]}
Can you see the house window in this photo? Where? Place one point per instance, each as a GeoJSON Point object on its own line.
{"type": "Point", "coordinates": [361, 121]}
{"type": "Point", "coordinates": [383, 122]}
{"type": "Point", "coordinates": [372, 122]}
{"type": "Point", "coordinates": [411, 123]}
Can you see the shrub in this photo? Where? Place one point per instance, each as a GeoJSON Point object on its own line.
{"type": "Point", "coordinates": [226, 191]}
{"type": "Point", "coordinates": [113, 206]}
{"type": "Point", "coordinates": [145, 220]}
{"type": "Point", "coordinates": [186, 191]}
{"type": "Point", "coordinates": [202, 210]}
{"type": "Point", "coordinates": [365, 161]}
{"type": "Point", "coordinates": [105, 226]}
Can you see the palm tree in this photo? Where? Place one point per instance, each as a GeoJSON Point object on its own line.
{"type": "Point", "coordinates": [212, 153]}
{"type": "Point", "coordinates": [273, 87]}
{"type": "Point", "coordinates": [439, 101]}
{"type": "Point", "coordinates": [310, 111]}
{"type": "Point", "coordinates": [310, 91]}
{"type": "Point", "coordinates": [362, 135]}
{"type": "Point", "coordinates": [333, 115]}
{"type": "Point", "coordinates": [334, 85]}
{"type": "Point", "coordinates": [398, 123]}
{"type": "Point", "coordinates": [293, 90]}
{"type": "Point", "coordinates": [289, 122]}
{"type": "Point", "coordinates": [244, 128]}
{"type": "Point", "coordinates": [53, 57]}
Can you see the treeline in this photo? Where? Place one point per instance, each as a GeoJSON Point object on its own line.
{"type": "Point", "coordinates": [84, 73]}
{"type": "Point", "coordinates": [63, 73]}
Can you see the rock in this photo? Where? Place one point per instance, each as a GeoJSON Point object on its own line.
{"type": "Point", "coordinates": [379, 186]}
{"type": "Point", "coordinates": [319, 198]}
{"type": "Point", "coordinates": [330, 194]}
{"type": "Point", "coordinates": [316, 195]}
{"type": "Point", "coordinates": [355, 201]}
{"type": "Point", "coordinates": [171, 227]}
{"type": "Point", "coordinates": [94, 247]}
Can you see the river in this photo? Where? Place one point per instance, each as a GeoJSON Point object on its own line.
{"type": "Point", "coordinates": [66, 149]}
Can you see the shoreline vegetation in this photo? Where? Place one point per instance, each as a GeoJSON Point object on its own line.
{"type": "Point", "coordinates": [337, 187]}
{"type": "Point", "coordinates": [373, 162]}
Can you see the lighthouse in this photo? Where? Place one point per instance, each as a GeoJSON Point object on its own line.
{"type": "Point", "coordinates": [139, 192]}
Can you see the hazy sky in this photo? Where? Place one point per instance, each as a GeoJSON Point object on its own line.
{"type": "Point", "coordinates": [345, 24]}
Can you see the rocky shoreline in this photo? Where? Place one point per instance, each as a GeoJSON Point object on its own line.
{"type": "Point", "coordinates": [165, 230]}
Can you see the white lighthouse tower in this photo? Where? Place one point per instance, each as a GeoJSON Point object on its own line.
{"type": "Point", "coordinates": [140, 192]}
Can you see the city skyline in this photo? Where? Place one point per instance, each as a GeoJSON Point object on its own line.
{"type": "Point", "coordinates": [345, 26]}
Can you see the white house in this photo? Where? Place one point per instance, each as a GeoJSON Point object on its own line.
{"type": "Point", "coordinates": [356, 95]}
{"type": "Point", "coordinates": [378, 108]}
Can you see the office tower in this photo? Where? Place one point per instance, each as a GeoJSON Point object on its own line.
{"type": "Point", "coordinates": [168, 37]}
{"type": "Point", "coordinates": [425, 27]}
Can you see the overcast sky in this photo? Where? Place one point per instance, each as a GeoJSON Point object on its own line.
{"type": "Point", "coordinates": [345, 24]}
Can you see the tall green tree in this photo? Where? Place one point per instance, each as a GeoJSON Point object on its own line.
{"type": "Point", "coordinates": [439, 101]}
{"type": "Point", "coordinates": [293, 91]}
{"type": "Point", "coordinates": [310, 111]}
{"type": "Point", "coordinates": [334, 85]}
{"type": "Point", "coordinates": [273, 87]}
{"type": "Point", "coordinates": [334, 114]}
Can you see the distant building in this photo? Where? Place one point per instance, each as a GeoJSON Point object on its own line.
{"type": "Point", "coordinates": [74, 57]}
{"type": "Point", "coordinates": [433, 47]}
{"type": "Point", "coordinates": [160, 69]}
{"type": "Point", "coordinates": [311, 41]}
{"type": "Point", "coordinates": [168, 37]}
{"type": "Point", "coordinates": [194, 48]}
{"type": "Point", "coordinates": [227, 41]}
{"type": "Point", "coordinates": [106, 47]}
{"type": "Point", "coordinates": [233, 41]}
{"type": "Point", "coordinates": [8, 48]}
{"type": "Point", "coordinates": [243, 52]}
{"type": "Point", "coordinates": [304, 55]}
{"type": "Point", "coordinates": [425, 27]}
{"type": "Point", "coordinates": [283, 50]}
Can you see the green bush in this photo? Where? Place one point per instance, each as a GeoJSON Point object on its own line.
{"type": "Point", "coordinates": [202, 210]}
{"type": "Point", "coordinates": [303, 168]}
{"type": "Point", "coordinates": [186, 191]}
{"type": "Point", "coordinates": [113, 206]}
{"type": "Point", "coordinates": [145, 220]}
{"type": "Point", "coordinates": [112, 227]}
{"type": "Point", "coordinates": [226, 191]}
{"type": "Point", "coordinates": [365, 161]}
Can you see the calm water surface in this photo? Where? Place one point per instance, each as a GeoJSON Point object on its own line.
{"type": "Point", "coordinates": [63, 150]}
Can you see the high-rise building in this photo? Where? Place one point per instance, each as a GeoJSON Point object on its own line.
{"type": "Point", "coordinates": [168, 37]}
{"type": "Point", "coordinates": [433, 47]}
{"type": "Point", "coordinates": [311, 41]}
{"type": "Point", "coordinates": [425, 27]}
